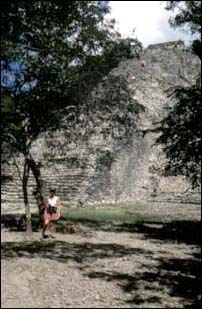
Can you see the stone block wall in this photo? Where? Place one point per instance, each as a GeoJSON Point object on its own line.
{"type": "Point", "coordinates": [126, 174]}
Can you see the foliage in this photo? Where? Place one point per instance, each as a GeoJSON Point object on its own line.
{"type": "Point", "coordinates": [188, 17]}
{"type": "Point", "coordinates": [62, 50]}
{"type": "Point", "coordinates": [180, 135]}
{"type": "Point", "coordinates": [105, 159]}
{"type": "Point", "coordinates": [115, 108]}
{"type": "Point", "coordinates": [180, 131]}
{"type": "Point", "coordinates": [188, 14]}
{"type": "Point", "coordinates": [196, 48]}
{"type": "Point", "coordinates": [109, 113]}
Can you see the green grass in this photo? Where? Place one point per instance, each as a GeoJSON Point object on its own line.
{"type": "Point", "coordinates": [106, 215]}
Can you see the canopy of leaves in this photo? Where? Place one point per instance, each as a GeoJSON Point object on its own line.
{"type": "Point", "coordinates": [180, 131]}
{"type": "Point", "coordinates": [115, 107]}
{"type": "Point", "coordinates": [188, 15]}
{"type": "Point", "coordinates": [180, 135]}
{"type": "Point", "coordinates": [109, 112]}
{"type": "Point", "coordinates": [62, 50]}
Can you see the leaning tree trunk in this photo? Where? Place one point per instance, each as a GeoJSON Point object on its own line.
{"type": "Point", "coordinates": [25, 195]}
{"type": "Point", "coordinates": [38, 193]}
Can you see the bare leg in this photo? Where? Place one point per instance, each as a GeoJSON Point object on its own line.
{"type": "Point", "coordinates": [46, 223]}
{"type": "Point", "coordinates": [51, 226]}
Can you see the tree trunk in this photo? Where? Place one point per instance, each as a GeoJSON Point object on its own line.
{"type": "Point", "coordinates": [38, 194]}
{"type": "Point", "coordinates": [35, 168]}
{"type": "Point", "coordinates": [25, 195]}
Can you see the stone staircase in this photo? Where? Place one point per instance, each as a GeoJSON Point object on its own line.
{"type": "Point", "coordinates": [70, 185]}
{"type": "Point", "coordinates": [190, 197]}
{"type": "Point", "coordinates": [11, 191]}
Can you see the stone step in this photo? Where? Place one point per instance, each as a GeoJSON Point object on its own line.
{"type": "Point", "coordinates": [62, 171]}
{"type": "Point", "coordinates": [8, 198]}
{"type": "Point", "coordinates": [47, 181]}
{"type": "Point", "coordinates": [16, 199]}
{"type": "Point", "coordinates": [16, 207]}
{"type": "Point", "coordinates": [61, 188]}
{"type": "Point", "coordinates": [9, 195]}
{"type": "Point", "coordinates": [16, 190]}
{"type": "Point", "coordinates": [66, 184]}
{"type": "Point", "coordinates": [7, 208]}
{"type": "Point", "coordinates": [18, 183]}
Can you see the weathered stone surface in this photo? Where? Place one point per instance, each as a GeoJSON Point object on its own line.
{"type": "Point", "coordinates": [133, 174]}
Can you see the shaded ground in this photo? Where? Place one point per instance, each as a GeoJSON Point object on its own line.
{"type": "Point", "coordinates": [140, 265]}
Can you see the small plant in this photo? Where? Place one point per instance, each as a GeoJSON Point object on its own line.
{"type": "Point", "coordinates": [105, 160]}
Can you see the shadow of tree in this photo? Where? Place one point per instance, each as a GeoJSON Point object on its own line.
{"type": "Point", "coordinates": [181, 277]}
{"type": "Point", "coordinates": [13, 222]}
{"type": "Point", "coordinates": [62, 251]}
{"type": "Point", "coordinates": [186, 231]}
{"type": "Point", "coordinates": [179, 231]}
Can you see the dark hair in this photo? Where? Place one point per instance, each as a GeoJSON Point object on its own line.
{"type": "Point", "coordinates": [52, 191]}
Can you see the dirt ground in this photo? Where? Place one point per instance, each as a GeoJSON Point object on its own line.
{"type": "Point", "coordinates": [145, 265]}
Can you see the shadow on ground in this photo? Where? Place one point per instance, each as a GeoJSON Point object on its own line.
{"type": "Point", "coordinates": [188, 232]}
{"type": "Point", "coordinates": [176, 277]}
{"type": "Point", "coordinates": [63, 251]}
{"type": "Point", "coordinates": [179, 277]}
{"type": "Point", "coordinates": [181, 231]}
